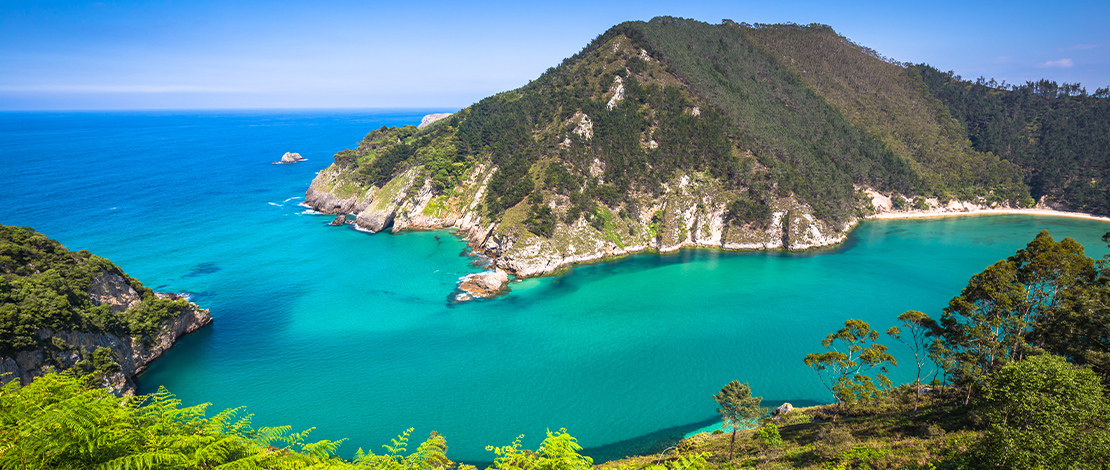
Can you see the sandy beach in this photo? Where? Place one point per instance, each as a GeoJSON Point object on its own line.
{"type": "Point", "coordinates": [934, 213]}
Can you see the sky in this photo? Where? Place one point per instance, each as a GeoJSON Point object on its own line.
{"type": "Point", "coordinates": [205, 54]}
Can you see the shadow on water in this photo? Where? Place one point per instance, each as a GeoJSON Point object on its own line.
{"type": "Point", "coordinates": [658, 441]}
{"type": "Point", "coordinates": [201, 269]}
{"type": "Point", "coordinates": [652, 443]}
{"type": "Point", "coordinates": [567, 281]}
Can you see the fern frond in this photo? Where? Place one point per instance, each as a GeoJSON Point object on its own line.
{"type": "Point", "coordinates": [322, 449]}
{"type": "Point", "coordinates": [266, 436]}
{"type": "Point", "coordinates": [147, 461]}
{"type": "Point", "coordinates": [400, 444]}
{"type": "Point", "coordinates": [222, 450]}
{"type": "Point", "coordinates": [295, 440]}
{"type": "Point", "coordinates": [218, 424]}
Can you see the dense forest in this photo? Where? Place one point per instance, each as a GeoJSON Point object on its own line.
{"type": "Point", "coordinates": [1057, 133]}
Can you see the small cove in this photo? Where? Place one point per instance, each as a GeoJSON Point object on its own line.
{"type": "Point", "coordinates": [353, 334]}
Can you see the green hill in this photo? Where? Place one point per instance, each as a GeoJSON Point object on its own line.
{"type": "Point", "coordinates": [673, 133]}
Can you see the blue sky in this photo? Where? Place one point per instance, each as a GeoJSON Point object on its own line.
{"type": "Point", "coordinates": [326, 54]}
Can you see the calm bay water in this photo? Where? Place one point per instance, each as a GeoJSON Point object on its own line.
{"type": "Point", "coordinates": [353, 333]}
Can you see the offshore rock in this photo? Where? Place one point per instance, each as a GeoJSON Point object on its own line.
{"type": "Point", "coordinates": [340, 219]}
{"type": "Point", "coordinates": [485, 284]}
{"type": "Point", "coordinates": [290, 157]}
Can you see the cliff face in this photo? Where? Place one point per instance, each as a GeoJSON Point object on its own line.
{"type": "Point", "coordinates": [690, 212]}
{"type": "Point", "coordinates": [118, 359]}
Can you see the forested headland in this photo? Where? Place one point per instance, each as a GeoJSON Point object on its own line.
{"type": "Point", "coordinates": [673, 133]}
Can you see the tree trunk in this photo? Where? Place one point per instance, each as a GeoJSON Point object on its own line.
{"type": "Point", "coordinates": [733, 443]}
{"type": "Point", "coordinates": [916, 396]}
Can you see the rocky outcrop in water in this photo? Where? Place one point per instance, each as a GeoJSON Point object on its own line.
{"type": "Point", "coordinates": [290, 157]}
{"type": "Point", "coordinates": [484, 284]}
{"type": "Point", "coordinates": [131, 356]}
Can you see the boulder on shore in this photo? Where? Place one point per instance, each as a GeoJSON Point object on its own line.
{"type": "Point", "coordinates": [485, 284]}
{"type": "Point", "coordinates": [290, 157]}
{"type": "Point", "coordinates": [784, 409]}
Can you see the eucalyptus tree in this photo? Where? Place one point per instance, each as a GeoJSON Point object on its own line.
{"type": "Point", "coordinates": [1080, 330]}
{"type": "Point", "coordinates": [852, 353]}
{"type": "Point", "coordinates": [918, 327]}
{"type": "Point", "coordinates": [1007, 310]}
{"type": "Point", "coordinates": [1043, 412]}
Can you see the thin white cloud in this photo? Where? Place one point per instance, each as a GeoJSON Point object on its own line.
{"type": "Point", "coordinates": [1062, 64]}
{"type": "Point", "coordinates": [1084, 47]}
{"type": "Point", "coordinates": [114, 89]}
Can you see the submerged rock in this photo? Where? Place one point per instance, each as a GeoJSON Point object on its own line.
{"type": "Point", "coordinates": [485, 284]}
{"type": "Point", "coordinates": [290, 157]}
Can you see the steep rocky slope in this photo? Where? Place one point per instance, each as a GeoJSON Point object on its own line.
{"type": "Point", "coordinates": [66, 310]}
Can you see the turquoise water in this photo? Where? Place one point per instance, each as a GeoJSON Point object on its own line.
{"type": "Point", "coordinates": [354, 333]}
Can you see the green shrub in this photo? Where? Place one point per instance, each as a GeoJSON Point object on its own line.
{"type": "Point", "coordinates": [768, 435]}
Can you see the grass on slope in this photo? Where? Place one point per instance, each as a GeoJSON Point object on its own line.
{"type": "Point", "coordinates": [885, 435]}
{"type": "Point", "coordinates": [887, 100]}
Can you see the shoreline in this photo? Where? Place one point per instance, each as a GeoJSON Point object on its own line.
{"type": "Point", "coordinates": [941, 214]}
{"type": "Point", "coordinates": [564, 268]}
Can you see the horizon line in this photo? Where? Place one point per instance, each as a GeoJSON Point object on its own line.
{"type": "Point", "coordinates": [289, 108]}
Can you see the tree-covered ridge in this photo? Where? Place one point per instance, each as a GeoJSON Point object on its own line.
{"type": "Point", "coordinates": [1058, 134]}
{"type": "Point", "coordinates": [44, 285]}
{"type": "Point", "coordinates": [692, 98]}
{"type": "Point", "coordinates": [807, 145]}
{"type": "Point", "coordinates": [889, 101]}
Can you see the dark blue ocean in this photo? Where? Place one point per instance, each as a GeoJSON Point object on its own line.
{"type": "Point", "coordinates": [353, 334]}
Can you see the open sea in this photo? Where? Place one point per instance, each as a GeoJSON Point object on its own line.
{"type": "Point", "coordinates": [354, 334]}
